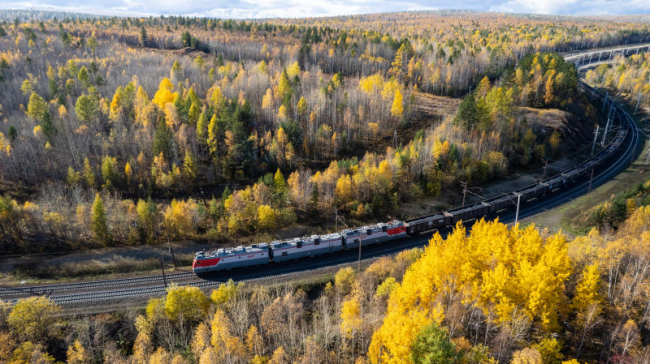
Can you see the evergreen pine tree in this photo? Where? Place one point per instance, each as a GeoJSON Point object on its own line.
{"type": "Point", "coordinates": [84, 76]}
{"type": "Point", "coordinates": [13, 133]}
{"type": "Point", "coordinates": [432, 345]}
{"type": "Point", "coordinates": [202, 127]}
{"type": "Point", "coordinates": [48, 128]}
{"type": "Point", "coordinates": [98, 223]}
{"type": "Point", "coordinates": [467, 115]}
{"type": "Point", "coordinates": [313, 199]}
{"type": "Point", "coordinates": [163, 139]}
{"type": "Point", "coordinates": [189, 167]}
{"type": "Point", "coordinates": [279, 188]}
{"type": "Point", "coordinates": [144, 38]}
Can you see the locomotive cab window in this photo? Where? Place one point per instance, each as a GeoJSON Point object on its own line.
{"type": "Point", "coordinates": [384, 228]}
{"type": "Point", "coordinates": [299, 244]}
{"type": "Point", "coordinates": [317, 241]}
{"type": "Point", "coordinates": [369, 232]}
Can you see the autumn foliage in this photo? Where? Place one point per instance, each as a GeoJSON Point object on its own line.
{"type": "Point", "coordinates": [84, 109]}
{"type": "Point", "coordinates": [508, 276]}
{"type": "Point", "coordinates": [492, 294]}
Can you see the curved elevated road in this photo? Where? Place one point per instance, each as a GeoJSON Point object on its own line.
{"type": "Point", "coordinates": [82, 293]}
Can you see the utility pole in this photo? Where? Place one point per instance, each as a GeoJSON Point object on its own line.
{"type": "Point", "coordinates": [593, 146]}
{"type": "Point", "coordinates": [360, 244]}
{"type": "Point", "coordinates": [605, 101]}
{"type": "Point", "coordinates": [162, 268]}
{"type": "Point", "coordinates": [517, 213]}
{"type": "Point", "coordinates": [395, 139]}
{"type": "Point", "coordinates": [591, 179]}
{"type": "Point", "coordinates": [464, 184]}
{"type": "Point", "coordinates": [602, 143]}
{"type": "Point", "coordinates": [546, 165]}
{"type": "Point", "coordinates": [336, 219]}
{"type": "Point", "coordinates": [171, 251]}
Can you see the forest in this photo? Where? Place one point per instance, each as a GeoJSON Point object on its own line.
{"type": "Point", "coordinates": [126, 131]}
{"type": "Point", "coordinates": [629, 76]}
{"type": "Point", "coordinates": [495, 294]}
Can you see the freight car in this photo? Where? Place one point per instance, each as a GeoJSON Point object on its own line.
{"type": "Point", "coordinates": [350, 239]}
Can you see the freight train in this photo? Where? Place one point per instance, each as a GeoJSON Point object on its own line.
{"type": "Point", "coordinates": [278, 251]}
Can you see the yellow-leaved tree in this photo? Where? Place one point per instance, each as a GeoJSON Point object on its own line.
{"type": "Point", "coordinates": [164, 94]}
{"type": "Point", "coordinates": [344, 189]}
{"type": "Point", "coordinates": [587, 302]}
{"type": "Point", "coordinates": [266, 217]}
{"type": "Point", "coordinates": [228, 347]}
{"type": "Point", "coordinates": [284, 85]}
{"type": "Point", "coordinates": [201, 340]}
{"type": "Point", "coordinates": [77, 353]}
{"type": "Point", "coordinates": [267, 100]}
{"type": "Point", "coordinates": [226, 292]}
{"type": "Point", "coordinates": [187, 303]}
{"type": "Point", "coordinates": [398, 108]}
{"type": "Point", "coordinates": [293, 70]}
{"type": "Point", "coordinates": [507, 273]}
{"type": "Point", "coordinates": [351, 320]}
{"type": "Point", "coordinates": [302, 107]}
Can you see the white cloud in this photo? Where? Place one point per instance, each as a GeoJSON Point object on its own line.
{"type": "Point", "coordinates": [574, 7]}
{"type": "Point", "coordinates": [309, 8]}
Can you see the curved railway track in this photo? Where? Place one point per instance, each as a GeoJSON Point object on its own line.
{"type": "Point", "coordinates": [72, 294]}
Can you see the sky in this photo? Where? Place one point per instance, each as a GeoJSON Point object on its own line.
{"type": "Point", "coordinates": [247, 9]}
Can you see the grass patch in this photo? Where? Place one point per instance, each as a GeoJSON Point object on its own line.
{"type": "Point", "coordinates": [86, 268]}
{"type": "Point", "coordinates": [95, 268]}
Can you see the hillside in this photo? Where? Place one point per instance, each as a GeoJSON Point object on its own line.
{"type": "Point", "coordinates": [124, 137]}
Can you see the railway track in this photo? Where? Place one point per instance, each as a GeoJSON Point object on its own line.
{"type": "Point", "coordinates": [90, 285]}
{"type": "Point", "coordinates": [71, 294]}
{"type": "Point", "coordinates": [74, 298]}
